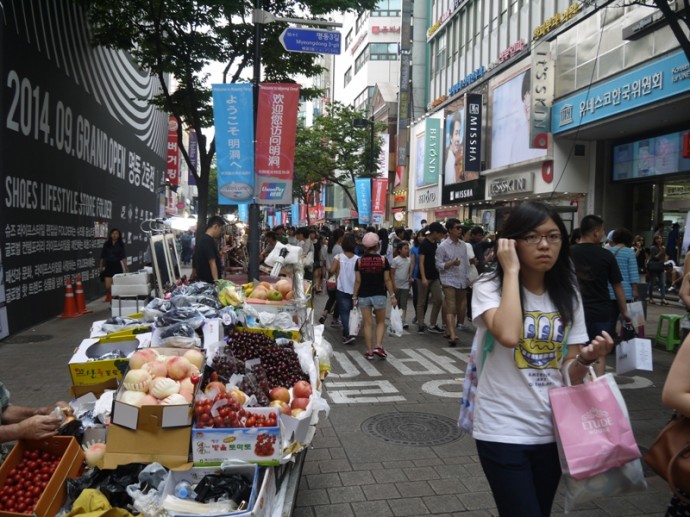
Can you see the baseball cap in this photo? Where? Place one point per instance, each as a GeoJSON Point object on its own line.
{"type": "Point", "coordinates": [370, 240]}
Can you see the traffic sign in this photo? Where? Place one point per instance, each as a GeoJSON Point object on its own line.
{"type": "Point", "coordinates": [311, 41]}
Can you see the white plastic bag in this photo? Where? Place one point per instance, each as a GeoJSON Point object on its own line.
{"type": "Point", "coordinates": [355, 321]}
{"type": "Point", "coordinates": [628, 478]}
{"type": "Point", "coordinates": [395, 327]}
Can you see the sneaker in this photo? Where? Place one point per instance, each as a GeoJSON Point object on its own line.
{"type": "Point", "coordinates": [379, 351]}
{"type": "Point", "coordinates": [467, 327]}
{"type": "Point", "coordinates": [322, 320]}
{"type": "Point", "coordinates": [414, 321]}
{"type": "Point", "coordinates": [421, 329]}
{"type": "Point", "coordinates": [406, 326]}
{"type": "Point", "coordinates": [336, 323]}
{"type": "Point", "coordinates": [369, 355]}
{"type": "Point", "coordinates": [436, 330]}
{"type": "Point", "coordinates": [348, 340]}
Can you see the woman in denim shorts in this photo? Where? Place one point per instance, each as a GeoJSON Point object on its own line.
{"type": "Point", "coordinates": [372, 280]}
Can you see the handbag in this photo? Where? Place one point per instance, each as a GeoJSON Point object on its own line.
{"type": "Point", "coordinates": [636, 310]}
{"type": "Point", "coordinates": [593, 430]}
{"type": "Point", "coordinates": [331, 283]}
{"type": "Point", "coordinates": [634, 354]}
{"type": "Point", "coordinates": [669, 455]}
{"type": "Point", "coordinates": [471, 382]}
{"type": "Point", "coordinates": [473, 274]}
{"type": "Point", "coordinates": [655, 266]}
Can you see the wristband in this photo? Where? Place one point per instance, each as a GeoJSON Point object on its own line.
{"type": "Point", "coordinates": [581, 361]}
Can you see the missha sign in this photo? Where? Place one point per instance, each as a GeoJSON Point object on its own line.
{"type": "Point", "coordinates": [473, 132]}
{"type": "Point", "coordinates": [510, 185]}
{"type": "Point", "coordinates": [472, 190]}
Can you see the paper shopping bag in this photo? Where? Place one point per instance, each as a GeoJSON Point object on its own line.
{"type": "Point", "coordinates": [634, 354]}
{"type": "Point", "coordinates": [593, 430]}
{"type": "Point", "coordinates": [355, 321]}
{"type": "Point", "coordinates": [636, 311]}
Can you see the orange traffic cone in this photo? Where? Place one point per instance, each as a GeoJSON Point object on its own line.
{"type": "Point", "coordinates": [79, 297]}
{"type": "Point", "coordinates": [70, 310]}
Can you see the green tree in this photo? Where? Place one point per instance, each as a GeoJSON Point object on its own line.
{"type": "Point", "coordinates": [176, 39]}
{"type": "Point", "coordinates": [337, 152]}
{"type": "Point", "coordinates": [311, 157]}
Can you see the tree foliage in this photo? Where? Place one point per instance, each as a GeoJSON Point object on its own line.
{"type": "Point", "coordinates": [335, 151]}
{"type": "Point", "coordinates": [176, 39]}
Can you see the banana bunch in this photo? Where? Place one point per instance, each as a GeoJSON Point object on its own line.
{"type": "Point", "coordinates": [231, 295]}
{"type": "Point", "coordinates": [247, 289]}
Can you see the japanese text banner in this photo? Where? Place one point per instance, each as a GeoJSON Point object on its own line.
{"type": "Point", "coordinates": [276, 129]}
{"type": "Point", "coordinates": [234, 123]}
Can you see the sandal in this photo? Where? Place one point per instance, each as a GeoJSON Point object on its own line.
{"type": "Point", "coordinates": [652, 302]}
{"type": "Point", "coordinates": [380, 352]}
{"type": "Point", "coordinates": [452, 342]}
{"type": "Point", "coordinates": [369, 355]}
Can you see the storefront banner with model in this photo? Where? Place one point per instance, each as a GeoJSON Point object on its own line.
{"type": "Point", "coordinates": [233, 117]}
{"type": "Point", "coordinates": [510, 119]}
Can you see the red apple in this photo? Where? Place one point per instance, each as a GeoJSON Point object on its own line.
{"type": "Point", "coordinates": [280, 393]}
{"type": "Point", "coordinates": [299, 403]}
{"type": "Point", "coordinates": [301, 389]}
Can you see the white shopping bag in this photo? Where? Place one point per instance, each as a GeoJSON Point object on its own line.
{"type": "Point", "coordinates": [396, 324]}
{"type": "Point", "coordinates": [355, 321]}
{"type": "Point", "coordinates": [634, 354]}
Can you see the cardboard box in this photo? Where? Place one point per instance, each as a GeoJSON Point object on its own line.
{"type": "Point", "coordinates": [210, 447]}
{"type": "Point", "coordinates": [151, 418]}
{"type": "Point", "coordinates": [96, 389]}
{"type": "Point", "coordinates": [55, 492]}
{"type": "Point", "coordinates": [85, 371]}
{"type": "Point", "coordinates": [169, 447]}
{"type": "Point", "coordinates": [275, 334]}
{"type": "Point", "coordinates": [195, 475]}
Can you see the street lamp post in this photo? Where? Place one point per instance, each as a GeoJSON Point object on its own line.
{"type": "Point", "coordinates": [362, 123]}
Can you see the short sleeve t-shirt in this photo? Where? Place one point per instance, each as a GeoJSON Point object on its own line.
{"type": "Point", "coordinates": [428, 250]}
{"type": "Point", "coordinates": [596, 267]}
{"type": "Point", "coordinates": [371, 268]}
{"type": "Point", "coordinates": [206, 251]}
{"type": "Point", "coordinates": [512, 404]}
{"type": "Point", "coordinates": [402, 272]}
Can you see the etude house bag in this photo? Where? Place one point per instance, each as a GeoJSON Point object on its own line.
{"type": "Point", "coordinates": [592, 426]}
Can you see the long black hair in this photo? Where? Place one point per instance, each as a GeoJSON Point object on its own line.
{"type": "Point", "coordinates": [383, 237]}
{"type": "Point", "coordinates": [560, 280]}
{"type": "Point", "coordinates": [337, 234]}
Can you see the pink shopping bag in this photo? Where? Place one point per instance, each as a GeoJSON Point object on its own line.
{"type": "Point", "coordinates": [592, 428]}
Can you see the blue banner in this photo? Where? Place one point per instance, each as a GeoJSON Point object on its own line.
{"type": "Point", "coordinates": [270, 221]}
{"type": "Point", "coordinates": [363, 195]}
{"type": "Point", "coordinates": [243, 212]}
{"type": "Point", "coordinates": [233, 116]}
{"type": "Point", "coordinates": [659, 79]}
{"type": "Point", "coordinates": [294, 214]}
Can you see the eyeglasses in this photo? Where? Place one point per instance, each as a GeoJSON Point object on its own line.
{"type": "Point", "coordinates": [551, 238]}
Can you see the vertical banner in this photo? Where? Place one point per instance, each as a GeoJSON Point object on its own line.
{"type": "Point", "coordinates": [233, 118]}
{"type": "Point", "coordinates": [294, 214]}
{"type": "Point", "coordinates": [432, 154]}
{"type": "Point", "coordinates": [172, 167]}
{"type": "Point", "coordinates": [276, 129]}
{"type": "Point", "coordinates": [363, 195]}
{"type": "Point", "coordinates": [543, 73]}
{"type": "Point", "coordinates": [302, 215]}
{"type": "Point", "coordinates": [378, 200]}
{"type": "Point", "coordinates": [384, 155]}
{"type": "Point", "coordinates": [473, 134]}
{"type": "Point", "coordinates": [243, 212]}
{"type": "Point", "coordinates": [193, 152]}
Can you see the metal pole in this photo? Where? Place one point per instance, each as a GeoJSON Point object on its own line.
{"type": "Point", "coordinates": [254, 230]}
{"type": "Point", "coordinates": [371, 147]}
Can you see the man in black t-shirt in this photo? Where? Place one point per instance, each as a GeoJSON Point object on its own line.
{"type": "Point", "coordinates": [596, 267]}
{"type": "Point", "coordinates": [428, 282]}
{"type": "Point", "coordinates": [207, 262]}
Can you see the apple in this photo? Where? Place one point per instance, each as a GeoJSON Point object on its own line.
{"type": "Point", "coordinates": [215, 385]}
{"type": "Point", "coordinates": [299, 403]}
{"type": "Point", "coordinates": [301, 389]}
{"type": "Point", "coordinates": [284, 407]}
{"type": "Point", "coordinates": [275, 296]}
{"type": "Point", "coordinates": [296, 412]}
{"type": "Point", "coordinates": [280, 393]}
{"type": "Point", "coordinates": [239, 396]}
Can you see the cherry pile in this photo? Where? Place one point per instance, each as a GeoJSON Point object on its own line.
{"type": "Point", "coordinates": [228, 414]}
{"type": "Point", "coordinates": [280, 362]}
{"type": "Point", "coordinates": [25, 482]}
{"type": "Point", "coordinates": [264, 445]}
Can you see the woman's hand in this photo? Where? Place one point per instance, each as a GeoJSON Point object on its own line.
{"type": "Point", "coordinates": [507, 255]}
{"type": "Point", "coordinates": [600, 346]}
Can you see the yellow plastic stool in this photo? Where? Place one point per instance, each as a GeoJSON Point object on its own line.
{"type": "Point", "coordinates": [671, 339]}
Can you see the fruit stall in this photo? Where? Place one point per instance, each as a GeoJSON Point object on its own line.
{"type": "Point", "coordinates": [202, 404]}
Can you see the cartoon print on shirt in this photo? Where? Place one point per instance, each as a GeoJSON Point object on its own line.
{"type": "Point", "coordinates": [541, 343]}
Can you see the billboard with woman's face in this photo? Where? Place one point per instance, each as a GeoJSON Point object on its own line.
{"type": "Point", "coordinates": [453, 169]}
{"type": "Point", "coordinates": [510, 112]}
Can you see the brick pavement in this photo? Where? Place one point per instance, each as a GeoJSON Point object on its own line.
{"type": "Point", "coordinates": [348, 472]}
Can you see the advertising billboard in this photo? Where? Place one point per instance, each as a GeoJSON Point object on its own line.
{"type": "Point", "coordinates": [83, 152]}
{"type": "Point", "coordinates": [510, 121]}
{"type": "Point", "coordinates": [454, 160]}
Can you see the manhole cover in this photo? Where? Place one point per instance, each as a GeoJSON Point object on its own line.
{"type": "Point", "coordinates": [415, 429]}
{"type": "Point", "coordinates": [23, 340]}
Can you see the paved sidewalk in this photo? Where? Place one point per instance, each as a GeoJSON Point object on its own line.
{"type": "Point", "coordinates": [348, 471]}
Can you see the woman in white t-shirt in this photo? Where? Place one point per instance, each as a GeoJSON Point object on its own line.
{"type": "Point", "coordinates": [533, 309]}
{"type": "Point", "coordinates": [344, 269]}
